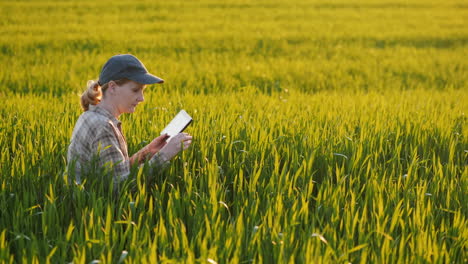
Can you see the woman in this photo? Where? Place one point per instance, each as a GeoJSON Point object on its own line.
{"type": "Point", "coordinates": [98, 142]}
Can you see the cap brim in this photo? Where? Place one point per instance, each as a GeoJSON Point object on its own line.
{"type": "Point", "coordinates": [146, 78]}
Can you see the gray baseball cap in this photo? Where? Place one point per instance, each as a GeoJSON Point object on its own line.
{"type": "Point", "coordinates": [126, 66]}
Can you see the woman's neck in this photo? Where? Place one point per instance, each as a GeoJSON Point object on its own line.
{"type": "Point", "coordinates": [110, 107]}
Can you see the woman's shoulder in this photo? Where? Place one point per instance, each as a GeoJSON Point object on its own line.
{"type": "Point", "coordinates": [93, 117]}
{"type": "Point", "coordinates": [93, 120]}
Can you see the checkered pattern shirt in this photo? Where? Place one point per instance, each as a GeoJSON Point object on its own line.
{"type": "Point", "coordinates": [98, 142]}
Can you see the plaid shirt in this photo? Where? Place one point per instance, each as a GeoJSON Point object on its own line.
{"type": "Point", "coordinates": [98, 133]}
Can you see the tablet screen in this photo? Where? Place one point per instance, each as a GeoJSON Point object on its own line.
{"type": "Point", "coordinates": [178, 124]}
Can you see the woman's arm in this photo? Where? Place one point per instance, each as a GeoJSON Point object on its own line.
{"type": "Point", "coordinates": [110, 154]}
{"type": "Point", "coordinates": [149, 150]}
{"type": "Point", "coordinates": [161, 152]}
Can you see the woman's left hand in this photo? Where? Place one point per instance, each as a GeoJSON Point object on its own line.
{"type": "Point", "coordinates": [149, 150]}
{"type": "Point", "coordinates": [157, 144]}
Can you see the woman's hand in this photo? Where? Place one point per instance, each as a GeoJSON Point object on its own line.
{"type": "Point", "coordinates": [157, 144]}
{"type": "Point", "coordinates": [149, 150]}
{"type": "Point", "coordinates": [177, 143]}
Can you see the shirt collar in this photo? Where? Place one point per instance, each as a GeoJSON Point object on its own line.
{"type": "Point", "coordinates": [98, 109]}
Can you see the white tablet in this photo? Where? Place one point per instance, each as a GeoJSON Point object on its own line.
{"type": "Point", "coordinates": [178, 124]}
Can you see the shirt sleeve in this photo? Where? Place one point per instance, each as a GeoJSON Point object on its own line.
{"type": "Point", "coordinates": [110, 155]}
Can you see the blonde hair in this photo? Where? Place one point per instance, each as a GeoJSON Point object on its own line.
{"type": "Point", "coordinates": [94, 92]}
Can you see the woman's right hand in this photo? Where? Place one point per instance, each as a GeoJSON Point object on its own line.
{"type": "Point", "coordinates": [177, 143]}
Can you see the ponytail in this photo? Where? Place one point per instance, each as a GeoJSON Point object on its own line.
{"type": "Point", "coordinates": [92, 95]}
{"type": "Point", "coordinates": [94, 92]}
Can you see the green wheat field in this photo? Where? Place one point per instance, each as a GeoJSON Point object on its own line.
{"type": "Point", "coordinates": [324, 132]}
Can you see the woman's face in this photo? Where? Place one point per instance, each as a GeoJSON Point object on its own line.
{"type": "Point", "coordinates": [127, 96]}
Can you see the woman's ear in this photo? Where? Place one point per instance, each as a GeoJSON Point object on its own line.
{"type": "Point", "coordinates": [111, 87]}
